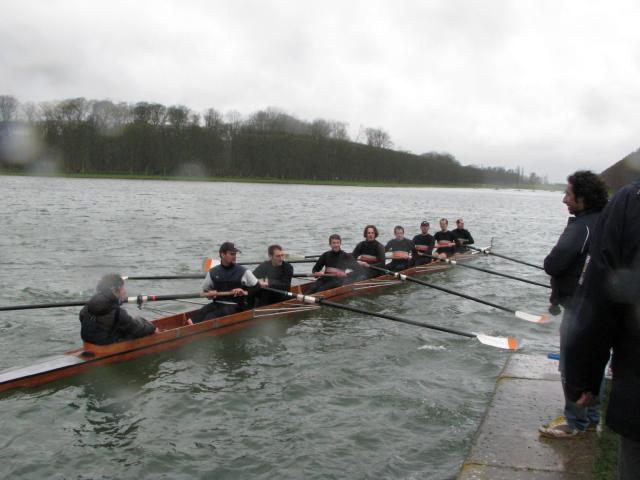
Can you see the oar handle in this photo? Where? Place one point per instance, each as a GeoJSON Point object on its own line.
{"type": "Point", "coordinates": [193, 276]}
{"type": "Point", "coordinates": [490, 252]}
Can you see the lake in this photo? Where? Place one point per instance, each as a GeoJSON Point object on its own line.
{"type": "Point", "coordinates": [327, 394]}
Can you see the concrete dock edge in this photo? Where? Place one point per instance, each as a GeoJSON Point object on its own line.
{"type": "Point", "coordinates": [507, 444]}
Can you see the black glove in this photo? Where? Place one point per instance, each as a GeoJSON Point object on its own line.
{"type": "Point", "coordinates": [554, 309]}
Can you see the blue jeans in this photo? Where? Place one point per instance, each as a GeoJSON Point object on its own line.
{"type": "Point", "coordinates": [580, 418]}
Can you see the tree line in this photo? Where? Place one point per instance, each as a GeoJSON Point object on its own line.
{"type": "Point", "coordinates": [105, 137]}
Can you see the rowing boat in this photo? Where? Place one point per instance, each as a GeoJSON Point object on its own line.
{"type": "Point", "coordinates": [175, 332]}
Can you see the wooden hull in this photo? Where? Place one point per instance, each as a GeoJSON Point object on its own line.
{"type": "Point", "coordinates": [174, 332]}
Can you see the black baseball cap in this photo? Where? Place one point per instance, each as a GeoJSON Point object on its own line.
{"type": "Point", "coordinates": [425, 223]}
{"type": "Point", "coordinates": [228, 247]}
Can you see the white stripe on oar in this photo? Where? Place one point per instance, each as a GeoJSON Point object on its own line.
{"type": "Point", "coordinates": [507, 343]}
{"type": "Point", "coordinates": [529, 317]}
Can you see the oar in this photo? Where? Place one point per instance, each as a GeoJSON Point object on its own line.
{"type": "Point", "coordinates": [521, 315]}
{"type": "Point", "coordinates": [508, 343]}
{"type": "Point", "coordinates": [489, 252]}
{"type": "Point", "coordinates": [209, 262]}
{"type": "Point", "coordinates": [138, 299]}
{"type": "Point", "coordinates": [193, 276]}
{"type": "Point", "coordinates": [492, 272]}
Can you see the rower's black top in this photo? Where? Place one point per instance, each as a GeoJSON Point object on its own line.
{"type": "Point", "coordinates": [340, 260]}
{"type": "Point", "coordinates": [463, 237]}
{"type": "Point", "coordinates": [104, 322]}
{"type": "Point", "coordinates": [370, 249]}
{"type": "Point", "coordinates": [448, 235]}
{"type": "Point", "coordinates": [424, 243]}
{"type": "Point", "coordinates": [279, 277]}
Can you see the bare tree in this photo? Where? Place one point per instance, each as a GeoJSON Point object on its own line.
{"type": "Point", "coordinates": [158, 114]}
{"type": "Point", "coordinates": [377, 137]}
{"type": "Point", "coordinates": [320, 128]}
{"type": "Point", "coordinates": [178, 115]}
{"type": "Point", "coordinates": [73, 110]}
{"type": "Point", "coordinates": [8, 107]}
{"type": "Point", "coordinates": [234, 121]}
{"type": "Point", "coordinates": [31, 112]}
{"type": "Point", "coordinates": [212, 119]}
{"type": "Point", "coordinates": [339, 130]}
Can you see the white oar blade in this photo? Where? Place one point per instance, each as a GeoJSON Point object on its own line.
{"type": "Point", "coordinates": [506, 343]}
{"type": "Point", "coordinates": [529, 317]}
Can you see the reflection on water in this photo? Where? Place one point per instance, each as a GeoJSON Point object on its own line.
{"type": "Point", "coordinates": [327, 394]}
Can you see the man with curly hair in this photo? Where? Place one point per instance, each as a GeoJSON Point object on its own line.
{"type": "Point", "coordinates": [585, 196]}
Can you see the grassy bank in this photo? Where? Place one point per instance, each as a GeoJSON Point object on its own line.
{"type": "Point", "coordinates": [307, 181]}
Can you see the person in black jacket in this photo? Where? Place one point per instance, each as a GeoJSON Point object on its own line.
{"type": "Point", "coordinates": [402, 250]}
{"type": "Point", "coordinates": [424, 243]}
{"type": "Point", "coordinates": [331, 268]}
{"type": "Point", "coordinates": [274, 273]}
{"type": "Point", "coordinates": [369, 252]}
{"type": "Point", "coordinates": [606, 315]}
{"type": "Point", "coordinates": [585, 196]}
{"type": "Point", "coordinates": [463, 236]}
{"type": "Point", "coordinates": [445, 240]}
{"type": "Point", "coordinates": [103, 321]}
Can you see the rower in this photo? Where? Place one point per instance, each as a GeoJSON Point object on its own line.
{"type": "Point", "coordinates": [331, 268]}
{"type": "Point", "coordinates": [274, 273]}
{"type": "Point", "coordinates": [226, 277]}
{"type": "Point", "coordinates": [369, 252]}
{"type": "Point", "coordinates": [463, 237]}
{"type": "Point", "coordinates": [103, 321]}
{"type": "Point", "coordinates": [401, 250]}
{"type": "Point", "coordinates": [424, 243]}
{"type": "Point", "coordinates": [445, 240]}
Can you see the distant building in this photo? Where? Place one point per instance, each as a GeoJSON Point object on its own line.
{"type": "Point", "coordinates": [623, 172]}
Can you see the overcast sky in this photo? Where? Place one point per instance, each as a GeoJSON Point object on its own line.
{"type": "Point", "coordinates": [550, 86]}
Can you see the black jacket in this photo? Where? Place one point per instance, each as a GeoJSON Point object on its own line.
{"type": "Point", "coordinates": [279, 277]}
{"type": "Point", "coordinates": [607, 314]}
{"type": "Point", "coordinates": [103, 321]}
{"type": "Point", "coordinates": [565, 261]}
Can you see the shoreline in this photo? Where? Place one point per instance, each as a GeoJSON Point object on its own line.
{"type": "Point", "coordinates": [281, 181]}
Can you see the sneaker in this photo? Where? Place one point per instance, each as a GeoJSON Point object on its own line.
{"type": "Point", "coordinates": [593, 427]}
{"type": "Point", "coordinates": [558, 428]}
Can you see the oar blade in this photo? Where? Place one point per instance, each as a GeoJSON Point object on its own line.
{"type": "Point", "coordinates": [208, 263]}
{"type": "Point", "coordinates": [529, 317]}
{"type": "Point", "coordinates": [506, 343]}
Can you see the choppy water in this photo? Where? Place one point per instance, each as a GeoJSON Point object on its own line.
{"type": "Point", "coordinates": [324, 395]}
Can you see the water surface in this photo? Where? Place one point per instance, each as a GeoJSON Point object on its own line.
{"type": "Point", "coordinates": [327, 394]}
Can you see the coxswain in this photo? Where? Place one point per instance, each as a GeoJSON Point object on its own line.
{"type": "Point", "coordinates": [463, 237]}
{"type": "Point", "coordinates": [103, 320]}
{"type": "Point", "coordinates": [445, 240]}
{"type": "Point", "coordinates": [331, 268]}
{"type": "Point", "coordinates": [424, 243]}
{"type": "Point", "coordinates": [274, 273]}
{"type": "Point", "coordinates": [228, 277]}
{"type": "Point", "coordinates": [369, 252]}
{"type": "Point", "coordinates": [401, 250]}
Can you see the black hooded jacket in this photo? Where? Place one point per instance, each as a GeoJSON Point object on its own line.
{"type": "Point", "coordinates": [565, 261]}
{"type": "Point", "coordinates": [103, 321]}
